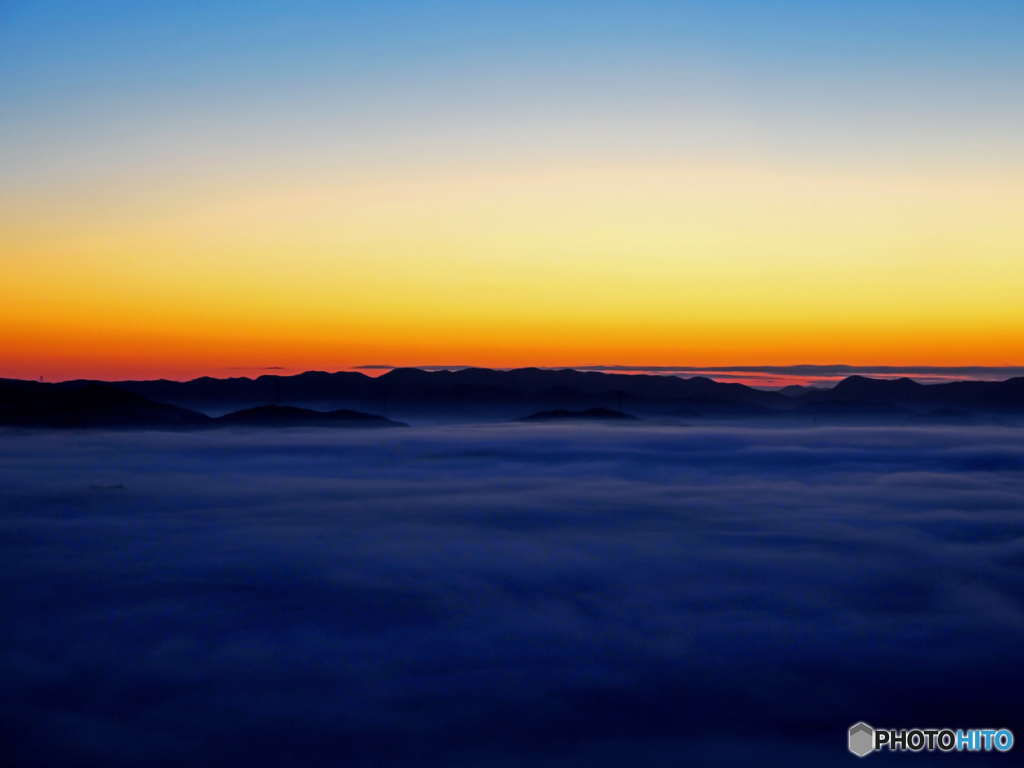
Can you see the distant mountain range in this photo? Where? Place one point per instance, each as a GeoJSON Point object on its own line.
{"type": "Point", "coordinates": [478, 394]}
{"type": "Point", "coordinates": [31, 404]}
{"type": "Point", "coordinates": [90, 405]}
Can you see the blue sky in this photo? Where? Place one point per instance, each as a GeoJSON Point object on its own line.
{"type": "Point", "coordinates": [798, 163]}
{"type": "Point", "coordinates": [823, 82]}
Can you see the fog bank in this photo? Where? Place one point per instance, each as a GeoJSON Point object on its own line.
{"type": "Point", "coordinates": [506, 595]}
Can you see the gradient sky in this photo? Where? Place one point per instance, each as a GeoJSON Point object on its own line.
{"type": "Point", "coordinates": [189, 187]}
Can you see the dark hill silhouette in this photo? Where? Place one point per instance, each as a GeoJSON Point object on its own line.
{"type": "Point", "coordinates": [796, 390]}
{"type": "Point", "coordinates": [32, 404]}
{"type": "Point", "coordinates": [793, 390]}
{"type": "Point", "coordinates": [284, 415]}
{"type": "Point", "coordinates": [480, 394]}
{"type": "Point", "coordinates": [863, 389]}
{"type": "Point", "coordinates": [468, 393]}
{"type": "Point", "coordinates": [969, 396]}
{"type": "Point", "coordinates": [713, 407]}
{"type": "Point", "coordinates": [92, 405]}
{"type": "Point", "coordinates": [216, 396]}
{"type": "Point", "coordinates": [590, 414]}
{"type": "Point", "coordinates": [532, 381]}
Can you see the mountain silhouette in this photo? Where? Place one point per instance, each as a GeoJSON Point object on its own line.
{"type": "Point", "coordinates": [714, 407]}
{"type": "Point", "coordinates": [969, 396]}
{"type": "Point", "coordinates": [481, 394]}
{"type": "Point", "coordinates": [92, 405]}
{"type": "Point", "coordinates": [472, 393]}
{"type": "Point", "coordinates": [32, 404]}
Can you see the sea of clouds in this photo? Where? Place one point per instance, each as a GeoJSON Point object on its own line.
{"type": "Point", "coordinates": [506, 595]}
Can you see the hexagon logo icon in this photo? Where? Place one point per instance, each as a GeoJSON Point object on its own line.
{"type": "Point", "coordinates": [862, 739]}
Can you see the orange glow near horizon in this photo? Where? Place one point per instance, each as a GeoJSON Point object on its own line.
{"type": "Point", "coordinates": [629, 264]}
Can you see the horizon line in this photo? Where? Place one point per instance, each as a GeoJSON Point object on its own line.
{"type": "Point", "coordinates": [762, 377]}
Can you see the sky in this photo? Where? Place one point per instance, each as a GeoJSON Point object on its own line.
{"type": "Point", "coordinates": [195, 188]}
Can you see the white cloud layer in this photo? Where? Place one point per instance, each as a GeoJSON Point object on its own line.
{"type": "Point", "coordinates": [504, 596]}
